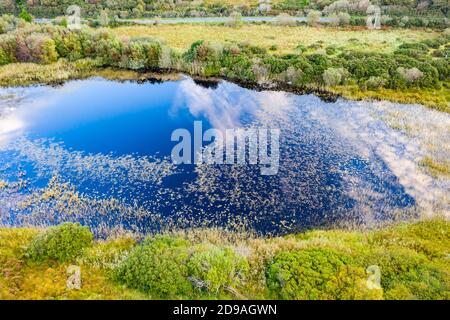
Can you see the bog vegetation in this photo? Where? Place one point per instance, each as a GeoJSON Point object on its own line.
{"type": "Point", "coordinates": [407, 261]}
{"type": "Point", "coordinates": [413, 67]}
{"type": "Point", "coordinates": [397, 12]}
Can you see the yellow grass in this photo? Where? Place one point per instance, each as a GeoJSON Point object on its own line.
{"type": "Point", "coordinates": [285, 38]}
{"type": "Point", "coordinates": [438, 99]}
{"type": "Point", "coordinates": [435, 168]}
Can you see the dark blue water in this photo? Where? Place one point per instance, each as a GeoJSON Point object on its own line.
{"type": "Point", "coordinates": [98, 152]}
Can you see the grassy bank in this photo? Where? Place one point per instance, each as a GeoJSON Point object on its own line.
{"type": "Point", "coordinates": [438, 99]}
{"type": "Point", "coordinates": [411, 259]}
{"type": "Point", "coordinates": [24, 74]}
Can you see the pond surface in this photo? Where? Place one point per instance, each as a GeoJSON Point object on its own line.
{"type": "Point", "coordinates": [98, 152]}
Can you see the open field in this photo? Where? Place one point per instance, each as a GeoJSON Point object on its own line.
{"type": "Point", "coordinates": [285, 38]}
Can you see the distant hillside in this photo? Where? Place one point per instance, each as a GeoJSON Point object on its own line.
{"type": "Point", "coordinates": [189, 8]}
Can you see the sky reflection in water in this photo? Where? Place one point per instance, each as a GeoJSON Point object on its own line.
{"type": "Point", "coordinates": [98, 152]}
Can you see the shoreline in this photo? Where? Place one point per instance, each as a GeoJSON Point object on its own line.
{"type": "Point", "coordinates": [410, 256]}
{"type": "Point", "coordinates": [38, 74]}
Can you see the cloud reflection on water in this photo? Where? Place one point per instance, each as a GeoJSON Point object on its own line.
{"type": "Point", "coordinates": [339, 159]}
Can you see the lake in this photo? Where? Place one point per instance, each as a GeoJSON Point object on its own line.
{"type": "Point", "coordinates": [99, 152]}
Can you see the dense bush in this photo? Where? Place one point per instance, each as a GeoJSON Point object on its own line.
{"type": "Point", "coordinates": [62, 243]}
{"type": "Point", "coordinates": [38, 48]}
{"type": "Point", "coordinates": [24, 15]}
{"type": "Point", "coordinates": [405, 261]}
{"type": "Point", "coordinates": [204, 51]}
{"type": "Point", "coordinates": [9, 23]}
{"type": "Point", "coordinates": [216, 269]}
{"type": "Point", "coordinates": [8, 45]}
{"type": "Point", "coordinates": [405, 274]}
{"type": "Point", "coordinates": [172, 267]}
{"type": "Point", "coordinates": [317, 273]}
{"type": "Point", "coordinates": [158, 266]}
{"type": "Point", "coordinates": [334, 76]}
{"type": "Point", "coordinates": [374, 83]}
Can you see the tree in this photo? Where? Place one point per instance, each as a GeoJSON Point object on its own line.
{"type": "Point", "coordinates": [24, 15]}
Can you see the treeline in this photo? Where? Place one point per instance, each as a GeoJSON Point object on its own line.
{"type": "Point", "coordinates": [413, 65]}
{"type": "Point", "coordinates": [191, 8]}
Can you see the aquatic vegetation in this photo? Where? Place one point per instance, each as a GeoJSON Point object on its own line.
{"type": "Point", "coordinates": [329, 157]}
{"type": "Point", "coordinates": [62, 243]}
{"type": "Point", "coordinates": [31, 73]}
{"type": "Point", "coordinates": [436, 169]}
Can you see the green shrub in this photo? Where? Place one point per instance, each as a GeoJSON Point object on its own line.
{"type": "Point", "coordinates": [4, 59]}
{"type": "Point", "coordinates": [334, 76]}
{"type": "Point", "coordinates": [63, 22]}
{"type": "Point", "coordinates": [8, 45]}
{"type": "Point", "coordinates": [363, 65]}
{"type": "Point", "coordinates": [191, 54]}
{"type": "Point", "coordinates": [203, 51]}
{"type": "Point", "coordinates": [158, 266]}
{"type": "Point", "coordinates": [42, 48]}
{"type": "Point", "coordinates": [406, 274]}
{"type": "Point", "coordinates": [343, 18]}
{"type": "Point", "coordinates": [133, 56]}
{"type": "Point", "coordinates": [68, 44]}
{"type": "Point", "coordinates": [62, 243]}
{"type": "Point", "coordinates": [8, 23]}
{"type": "Point", "coordinates": [109, 51]}
{"type": "Point", "coordinates": [238, 66]}
{"type": "Point", "coordinates": [217, 269]}
{"type": "Point", "coordinates": [24, 15]}
{"type": "Point", "coordinates": [443, 68]}
{"type": "Point", "coordinates": [153, 54]}
{"type": "Point", "coordinates": [317, 273]}
{"type": "Point", "coordinates": [374, 83]}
